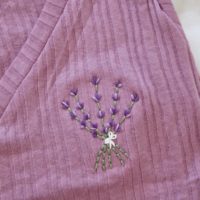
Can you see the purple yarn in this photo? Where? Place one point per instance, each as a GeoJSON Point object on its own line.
{"type": "Point", "coordinates": [101, 114]}
{"type": "Point", "coordinates": [80, 105]}
{"type": "Point", "coordinates": [118, 84]}
{"type": "Point", "coordinates": [115, 97]}
{"type": "Point", "coordinates": [95, 80]}
{"type": "Point", "coordinates": [65, 105]}
{"type": "Point", "coordinates": [97, 97]}
{"type": "Point", "coordinates": [134, 97]}
{"type": "Point", "coordinates": [113, 110]}
{"type": "Point", "coordinates": [74, 92]}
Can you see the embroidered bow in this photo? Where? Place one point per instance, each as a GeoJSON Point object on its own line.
{"type": "Point", "coordinates": [109, 140]}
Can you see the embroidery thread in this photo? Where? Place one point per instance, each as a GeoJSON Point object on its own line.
{"type": "Point", "coordinates": [106, 132]}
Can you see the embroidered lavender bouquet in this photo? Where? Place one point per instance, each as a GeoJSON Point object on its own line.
{"type": "Point", "coordinates": [107, 132]}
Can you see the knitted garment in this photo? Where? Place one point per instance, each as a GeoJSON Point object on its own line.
{"type": "Point", "coordinates": [60, 59]}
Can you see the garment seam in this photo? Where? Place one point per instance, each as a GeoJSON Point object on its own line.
{"type": "Point", "coordinates": [33, 62]}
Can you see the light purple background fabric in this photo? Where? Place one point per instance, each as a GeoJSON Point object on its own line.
{"type": "Point", "coordinates": [47, 47]}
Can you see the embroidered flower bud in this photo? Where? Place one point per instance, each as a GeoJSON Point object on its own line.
{"type": "Point", "coordinates": [72, 115]}
{"type": "Point", "coordinates": [96, 97]}
{"type": "Point", "coordinates": [86, 116]}
{"type": "Point", "coordinates": [105, 129]}
{"type": "Point", "coordinates": [115, 97]}
{"type": "Point", "coordinates": [134, 97]}
{"type": "Point", "coordinates": [113, 110]}
{"type": "Point", "coordinates": [65, 105]}
{"type": "Point", "coordinates": [101, 114]}
{"type": "Point", "coordinates": [118, 84]}
{"type": "Point", "coordinates": [74, 92]}
{"type": "Point", "coordinates": [111, 123]}
{"type": "Point", "coordinates": [94, 125]}
{"type": "Point", "coordinates": [127, 112]}
{"type": "Point", "coordinates": [95, 80]}
{"type": "Point", "coordinates": [83, 124]}
{"type": "Point", "coordinates": [80, 105]}
{"type": "Point", "coordinates": [94, 133]}
{"type": "Point", "coordinates": [117, 128]}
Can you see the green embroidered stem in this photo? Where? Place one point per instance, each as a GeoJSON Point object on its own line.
{"type": "Point", "coordinates": [118, 155]}
{"type": "Point", "coordinates": [104, 157]}
{"type": "Point", "coordinates": [121, 150]}
{"type": "Point", "coordinates": [109, 158]}
{"type": "Point", "coordinates": [105, 151]}
{"type": "Point", "coordinates": [98, 157]}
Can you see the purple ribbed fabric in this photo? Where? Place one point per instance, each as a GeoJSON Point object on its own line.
{"type": "Point", "coordinates": [47, 47]}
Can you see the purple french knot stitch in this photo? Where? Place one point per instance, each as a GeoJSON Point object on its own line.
{"type": "Point", "coordinates": [118, 84]}
{"type": "Point", "coordinates": [134, 97]}
{"type": "Point", "coordinates": [80, 105]}
{"type": "Point", "coordinates": [127, 112]}
{"type": "Point", "coordinates": [72, 115]}
{"type": "Point", "coordinates": [97, 97]}
{"type": "Point", "coordinates": [65, 105]}
{"type": "Point", "coordinates": [101, 114]}
{"type": "Point", "coordinates": [113, 110]}
{"type": "Point", "coordinates": [109, 123]}
{"type": "Point", "coordinates": [95, 80]}
{"type": "Point", "coordinates": [74, 92]}
{"type": "Point", "coordinates": [83, 124]}
{"type": "Point", "coordinates": [94, 125]}
{"type": "Point", "coordinates": [116, 97]}
{"type": "Point", "coordinates": [86, 116]}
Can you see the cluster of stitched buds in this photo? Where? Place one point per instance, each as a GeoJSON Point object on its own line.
{"type": "Point", "coordinates": [85, 120]}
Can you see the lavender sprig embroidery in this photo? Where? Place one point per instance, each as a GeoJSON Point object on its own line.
{"type": "Point", "coordinates": [106, 132]}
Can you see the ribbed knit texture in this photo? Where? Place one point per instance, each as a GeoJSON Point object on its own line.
{"type": "Point", "coordinates": [47, 47]}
